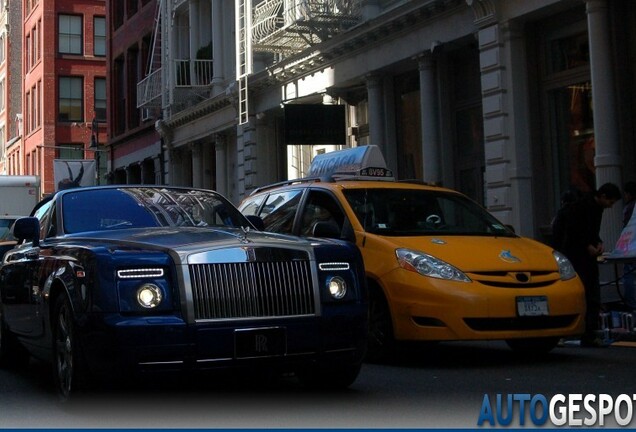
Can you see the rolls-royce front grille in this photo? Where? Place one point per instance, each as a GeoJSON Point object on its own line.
{"type": "Point", "coordinates": [252, 289]}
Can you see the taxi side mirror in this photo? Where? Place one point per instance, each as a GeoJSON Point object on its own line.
{"type": "Point", "coordinates": [257, 222]}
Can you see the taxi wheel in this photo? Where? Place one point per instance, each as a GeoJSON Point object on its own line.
{"type": "Point", "coordinates": [536, 346]}
{"type": "Point", "coordinates": [381, 343]}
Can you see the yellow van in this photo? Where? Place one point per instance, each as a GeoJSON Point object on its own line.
{"type": "Point", "coordinates": [439, 266]}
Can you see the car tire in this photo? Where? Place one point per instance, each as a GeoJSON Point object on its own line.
{"type": "Point", "coordinates": [329, 377]}
{"type": "Point", "coordinates": [69, 373]}
{"type": "Point", "coordinates": [381, 342]}
{"type": "Point", "coordinates": [12, 354]}
{"type": "Point", "coordinates": [533, 346]}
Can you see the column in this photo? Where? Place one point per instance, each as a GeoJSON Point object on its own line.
{"type": "Point", "coordinates": [206, 160]}
{"type": "Point", "coordinates": [217, 47]}
{"type": "Point", "coordinates": [429, 120]}
{"type": "Point", "coordinates": [376, 111]}
{"type": "Point", "coordinates": [608, 159]}
{"type": "Point", "coordinates": [197, 166]}
{"type": "Point", "coordinates": [221, 164]}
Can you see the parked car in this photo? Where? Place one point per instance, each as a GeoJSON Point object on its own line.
{"type": "Point", "coordinates": [439, 266]}
{"type": "Point", "coordinates": [125, 278]}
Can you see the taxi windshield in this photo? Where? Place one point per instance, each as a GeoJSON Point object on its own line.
{"type": "Point", "coordinates": [414, 212]}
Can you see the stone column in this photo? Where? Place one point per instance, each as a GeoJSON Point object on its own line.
{"type": "Point", "coordinates": [429, 120]}
{"type": "Point", "coordinates": [197, 166]}
{"type": "Point", "coordinates": [220, 147]}
{"type": "Point", "coordinates": [376, 111]}
{"type": "Point", "coordinates": [608, 159]}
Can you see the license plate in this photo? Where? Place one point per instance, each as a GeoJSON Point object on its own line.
{"type": "Point", "coordinates": [260, 342]}
{"type": "Point", "coordinates": [532, 306]}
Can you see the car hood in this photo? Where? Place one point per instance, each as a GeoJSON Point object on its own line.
{"type": "Point", "coordinates": [190, 238]}
{"type": "Point", "coordinates": [476, 253]}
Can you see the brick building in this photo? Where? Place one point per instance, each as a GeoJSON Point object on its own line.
{"type": "Point", "coordinates": [63, 85]}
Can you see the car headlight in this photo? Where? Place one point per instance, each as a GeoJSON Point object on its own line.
{"type": "Point", "coordinates": [337, 287]}
{"type": "Point", "coordinates": [149, 296]}
{"type": "Point", "coordinates": [428, 265]}
{"type": "Point", "coordinates": [566, 270]}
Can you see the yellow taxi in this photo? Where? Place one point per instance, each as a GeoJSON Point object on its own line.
{"type": "Point", "coordinates": [439, 266]}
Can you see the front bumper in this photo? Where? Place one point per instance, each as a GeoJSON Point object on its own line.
{"type": "Point", "coordinates": [114, 342]}
{"type": "Point", "coordinates": [433, 309]}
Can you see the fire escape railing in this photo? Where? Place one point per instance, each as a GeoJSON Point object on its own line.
{"type": "Point", "coordinates": [288, 26]}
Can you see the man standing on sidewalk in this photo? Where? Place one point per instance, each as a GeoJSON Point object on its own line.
{"type": "Point", "coordinates": [582, 245]}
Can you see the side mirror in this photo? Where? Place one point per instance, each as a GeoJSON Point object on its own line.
{"type": "Point", "coordinates": [27, 228]}
{"type": "Point", "coordinates": [257, 221]}
{"type": "Point", "coordinates": [326, 229]}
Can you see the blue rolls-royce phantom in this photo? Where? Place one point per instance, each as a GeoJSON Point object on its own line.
{"type": "Point", "coordinates": [117, 278]}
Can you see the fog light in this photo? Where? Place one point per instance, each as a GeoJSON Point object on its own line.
{"type": "Point", "coordinates": [149, 296]}
{"type": "Point", "coordinates": [337, 287]}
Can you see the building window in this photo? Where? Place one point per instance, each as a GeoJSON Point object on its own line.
{"type": "Point", "coordinates": [100, 99]}
{"type": "Point", "coordinates": [70, 34]}
{"type": "Point", "coordinates": [70, 151]}
{"type": "Point", "coordinates": [71, 99]}
{"type": "Point", "coordinates": [2, 94]}
{"type": "Point", "coordinates": [99, 36]}
{"type": "Point", "coordinates": [2, 48]}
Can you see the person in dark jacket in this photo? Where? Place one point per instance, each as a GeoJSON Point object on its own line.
{"type": "Point", "coordinates": [581, 243]}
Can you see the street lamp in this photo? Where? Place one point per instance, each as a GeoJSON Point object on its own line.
{"type": "Point", "coordinates": [95, 145]}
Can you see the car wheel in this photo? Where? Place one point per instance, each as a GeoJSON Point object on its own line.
{"type": "Point", "coordinates": [536, 346]}
{"type": "Point", "coordinates": [12, 354]}
{"type": "Point", "coordinates": [329, 378]}
{"type": "Point", "coordinates": [67, 365]}
{"type": "Point", "coordinates": [381, 343]}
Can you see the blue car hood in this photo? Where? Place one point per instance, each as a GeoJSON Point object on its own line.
{"type": "Point", "coordinates": [181, 237]}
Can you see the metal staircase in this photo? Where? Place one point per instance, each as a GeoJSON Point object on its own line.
{"type": "Point", "coordinates": [149, 90]}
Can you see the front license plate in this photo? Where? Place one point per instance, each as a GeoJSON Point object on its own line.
{"type": "Point", "coordinates": [532, 306]}
{"type": "Point", "coordinates": [260, 342]}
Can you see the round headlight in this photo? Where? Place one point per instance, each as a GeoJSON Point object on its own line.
{"type": "Point", "coordinates": [149, 296]}
{"type": "Point", "coordinates": [337, 287]}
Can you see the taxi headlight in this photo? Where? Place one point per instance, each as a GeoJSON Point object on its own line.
{"type": "Point", "coordinates": [428, 265]}
{"type": "Point", "coordinates": [566, 270]}
{"type": "Point", "coordinates": [149, 296]}
{"type": "Point", "coordinates": [337, 287]}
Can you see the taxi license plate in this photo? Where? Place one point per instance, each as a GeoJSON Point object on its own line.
{"type": "Point", "coordinates": [260, 342]}
{"type": "Point", "coordinates": [532, 306]}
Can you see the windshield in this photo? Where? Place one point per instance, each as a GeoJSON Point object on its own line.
{"type": "Point", "coordinates": [414, 212]}
{"type": "Point", "coordinates": [95, 210]}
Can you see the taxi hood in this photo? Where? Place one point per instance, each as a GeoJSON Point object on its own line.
{"type": "Point", "coordinates": [479, 253]}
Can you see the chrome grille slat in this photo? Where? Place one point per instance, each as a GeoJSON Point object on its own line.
{"type": "Point", "coordinates": [252, 289]}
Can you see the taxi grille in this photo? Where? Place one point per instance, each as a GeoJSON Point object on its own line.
{"type": "Point", "coordinates": [252, 289]}
{"type": "Point", "coordinates": [516, 279]}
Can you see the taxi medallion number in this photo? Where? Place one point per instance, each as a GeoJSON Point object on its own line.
{"type": "Point", "coordinates": [532, 306]}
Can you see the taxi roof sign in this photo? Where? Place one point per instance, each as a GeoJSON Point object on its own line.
{"type": "Point", "coordinates": [356, 162]}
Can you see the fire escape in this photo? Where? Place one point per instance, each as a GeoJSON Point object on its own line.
{"type": "Point", "coordinates": [285, 28]}
{"type": "Point", "coordinates": [173, 80]}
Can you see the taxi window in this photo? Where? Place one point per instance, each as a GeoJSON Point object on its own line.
{"type": "Point", "coordinates": [279, 211]}
{"type": "Point", "coordinates": [320, 207]}
{"type": "Point", "coordinates": [250, 206]}
{"type": "Point", "coordinates": [412, 212]}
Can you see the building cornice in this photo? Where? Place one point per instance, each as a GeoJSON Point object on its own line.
{"type": "Point", "coordinates": [389, 25]}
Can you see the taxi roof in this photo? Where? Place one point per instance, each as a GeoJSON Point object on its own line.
{"type": "Point", "coordinates": [357, 167]}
